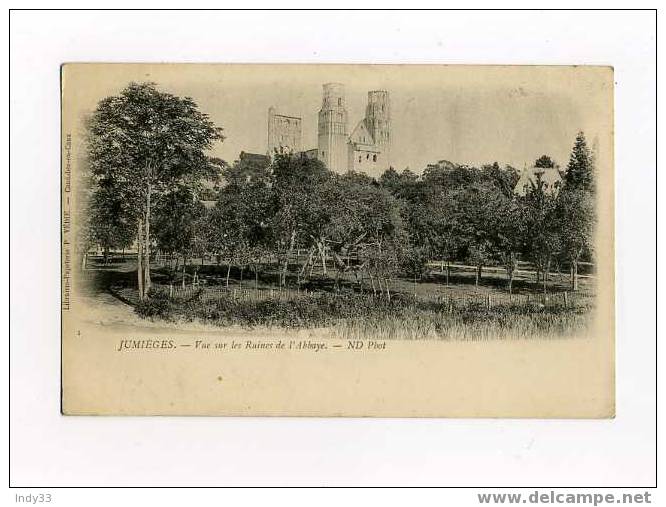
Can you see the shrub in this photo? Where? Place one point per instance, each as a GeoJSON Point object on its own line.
{"type": "Point", "coordinates": [157, 304]}
{"type": "Point", "coordinates": [353, 316]}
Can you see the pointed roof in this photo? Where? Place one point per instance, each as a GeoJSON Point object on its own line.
{"type": "Point", "coordinates": [550, 176]}
{"type": "Point", "coordinates": [361, 134]}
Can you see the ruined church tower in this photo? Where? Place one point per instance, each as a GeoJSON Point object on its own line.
{"type": "Point", "coordinates": [333, 128]}
{"type": "Point", "coordinates": [378, 122]}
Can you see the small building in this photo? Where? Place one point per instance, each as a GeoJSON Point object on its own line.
{"type": "Point", "coordinates": [548, 177]}
{"type": "Point", "coordinates": [363, 154]}
{"type": "Point", "coordinates": [254, 160]}
{"type": "Point", "coordinates": [310, 154]}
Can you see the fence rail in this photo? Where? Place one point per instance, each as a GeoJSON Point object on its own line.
{"type": "Point", "coordinates": [285, 294]}
{"type": "Point", "coordinates": [491, 300]}
{"type": "Point", "coordinates": [128, 292]}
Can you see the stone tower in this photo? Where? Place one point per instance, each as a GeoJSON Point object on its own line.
{"type": "Point", "coordinates": [284, 133]}
{"type": "Point", "coordinates": [333, 128]}
{"type": "Point", "coordinates": [378, 122]}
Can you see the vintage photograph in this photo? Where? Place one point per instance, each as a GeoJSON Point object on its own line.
{"type": "Point", "coordinates": [338, 206]}
{"type": "Point", "coordinates": [285, 249]}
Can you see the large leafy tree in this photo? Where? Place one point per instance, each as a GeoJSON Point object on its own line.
{"type": "Point", "coordinates": [367, 219]}
{"type": "Point", "coordinates": [576, 214]}
{"type": "Point", "coordinates": [109, 225]}
{"type": "Point", "coordinates": [238, 225]}
{"type": "Point", "coordinates": [510, 235]}
{"type": "Point", "coordinates": [542, 227]}
{"type": "Point", "coordinates": [142, 144]}
{"type": "Point", "coordinates": [504, 179]}
{"type": "Point", "coordinates": [405, 185]}
{"type": "Point", "coordinates": [299, 204]}
{"type": "Point", "coordinates": [178, 222]}
{"type": "Point", "coordinates": [440, 226]}
{"type": "Point", "coordinates": [479, 208]}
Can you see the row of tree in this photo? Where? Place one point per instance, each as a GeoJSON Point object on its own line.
{"type": "Point", "coordinates": [148, 164]}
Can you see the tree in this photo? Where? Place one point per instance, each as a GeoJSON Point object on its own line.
{"type": "Point", "coordinates": [178, 222]}
{"type": "Point", "coordinates": [251, 169]}
{"type": "Point", "coordinates": [438, 174]}
{"type": "Point", "coordinates": [580, 170]}
{"type": "Point", "coordinates": [382, 261]}
{"type": "Point", "coordinates": [299, 213]}
{"type": "Point", "coordinates": [575, 207]}
{"type": "Point", "coordinates": [225, 239]}
{"type": "Point", "coordinates": [108, 225]}
{"type": "Point", "coordinates": [143, 143]}
{"type": "Point", "coordinates": [365, 220]}
{"type": "Point", "coordinates": [390, 179]}
{"type": "Point", "coordinates": [479, 208]}
{"type": "Point", "coordinates": [544, 162]}
{"type": "Point", "coordinates": [374, 228]}
{"type": "Point", "coordinates": [239, 224]}
{"type": "Point", "coordinates": [542, 227]}
{"type": "Point", "coordinates": [440, 226]}
{"type": "Point", "coordinates": [453, 209]}
{"type": "Point", "coordinates": [510, 236]}
{"type": "Point", "coordinates": [405, 185]}
{"type": "Point", "coordinates": [504, 179]}
{"type": "Point", "coordinates": [576, 213]}
{"type": "Point", "coordinates": [414, 263]}
{"type": "Point", "coordinates": [211, 186]}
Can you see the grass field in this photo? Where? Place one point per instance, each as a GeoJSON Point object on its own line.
{"type": "Point", "coordinates": [425, 309]}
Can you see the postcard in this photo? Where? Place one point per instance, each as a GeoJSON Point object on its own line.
{"type": "Point", "coordinates": [337, 240]}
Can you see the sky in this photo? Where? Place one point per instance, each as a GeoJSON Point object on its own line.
{"type": "Point", "coordinates": [464, 114]}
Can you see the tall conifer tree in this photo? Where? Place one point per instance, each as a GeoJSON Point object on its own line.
{"type": "Point", "coordinates": [580, 171]}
